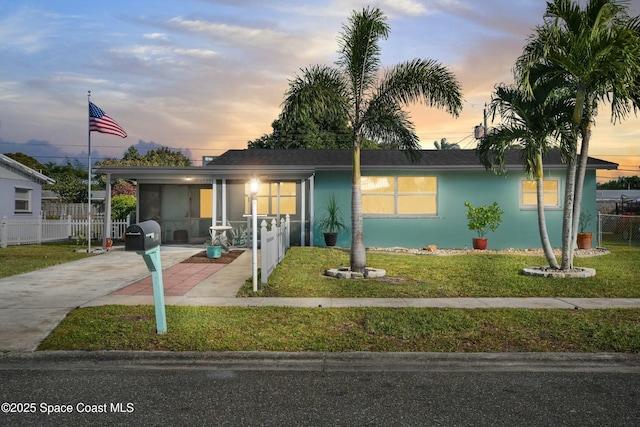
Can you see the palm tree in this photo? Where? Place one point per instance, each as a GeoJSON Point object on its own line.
{"type": "Point", "coordinates": [533, 124]}
{"type": "Point", "coordinates": [370, 100]}
{"type": "Point", "coordinates": [446, 145]}
{"type": "Point", "coordinates": [595, 52]}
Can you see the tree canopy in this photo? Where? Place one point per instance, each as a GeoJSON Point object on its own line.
{"type": "Point", "coordinates": [162, 156]}
{"type": "Point", "coordinates": [71, 181]}
{"type": "Point", "coordinates": [26, 160]}
{"type": "Point", "coordinates": [307, 133]}
{"type": "Point", "coordinates": [622, 183]}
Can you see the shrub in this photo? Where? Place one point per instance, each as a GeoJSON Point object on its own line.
{"type": "Point", "coordinates": [121, 206]}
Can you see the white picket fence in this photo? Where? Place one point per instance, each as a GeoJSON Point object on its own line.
{"type": "Point", "coordinates": [273, 245]}
{"type": "Point", "coordinates": [59, 210]}
{"type": "Point", "coordinates": [38, 230]}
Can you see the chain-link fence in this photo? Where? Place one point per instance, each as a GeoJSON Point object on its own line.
{"type": "Point", "coordinates": [618, 229]}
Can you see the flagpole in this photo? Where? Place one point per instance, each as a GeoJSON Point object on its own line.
{"type": "Point", "coordinates": [89, 167]}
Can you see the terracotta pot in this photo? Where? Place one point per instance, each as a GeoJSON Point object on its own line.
{"type": "Point", "coordinates": [584, 240]}
{"type": "Point", "coordinates": [330, 239]}
{"type": "Point", "coordinates": [479, 243]}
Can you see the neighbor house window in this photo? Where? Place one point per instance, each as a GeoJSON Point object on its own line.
{"type": "Point", "coordinates": [551, 189]}
{"type": "Point", "coordinates": [273, 198]}
{"type": "Point", "coordinates": [23, 200]}
{"type": "Point", "coordinates": [399, 195]}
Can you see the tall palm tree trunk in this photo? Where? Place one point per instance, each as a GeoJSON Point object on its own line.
{"type": "Point", "coordinates": [542, 223]}
{"type": "Point", "coordinates": [358, 254]}
{"type": "Point", "coordinates": [579, 186]}
{"type": "Point", "coordinates": [567, 216]}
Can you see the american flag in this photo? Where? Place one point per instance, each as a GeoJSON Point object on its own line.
{"type": "Point", "coordinates": [100, 122]}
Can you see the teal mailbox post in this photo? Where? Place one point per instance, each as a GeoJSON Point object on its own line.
{"type": "Point", "coordinates": [144, 239]}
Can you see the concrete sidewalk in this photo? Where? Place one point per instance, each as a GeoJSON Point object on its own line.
{"type": "Point", "coordinates": [33, 304]}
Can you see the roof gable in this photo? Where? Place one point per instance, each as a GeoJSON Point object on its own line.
{"type": "Point", "coordinates": [17, 167]}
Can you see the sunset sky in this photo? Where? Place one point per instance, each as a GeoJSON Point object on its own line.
{"type": "Point", "coordinates": [209, 75]}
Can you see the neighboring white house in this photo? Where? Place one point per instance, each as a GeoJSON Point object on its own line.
{"type": "Point", "coordinates": [20, 189]}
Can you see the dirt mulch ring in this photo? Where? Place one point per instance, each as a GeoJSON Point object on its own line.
{"type": "Point", "coordinates": [201, 258]}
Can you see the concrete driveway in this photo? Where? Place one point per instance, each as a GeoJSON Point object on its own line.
{"type": "Point", "coordinates": [33, 304]}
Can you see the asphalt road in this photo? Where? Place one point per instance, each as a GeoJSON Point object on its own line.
{"type": "Point", "coordinates": [316, 389]}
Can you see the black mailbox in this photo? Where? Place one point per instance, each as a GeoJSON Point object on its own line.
{"type": "Point", "coordinates": [142, 236]}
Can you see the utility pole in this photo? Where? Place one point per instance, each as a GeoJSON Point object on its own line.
{"type": "Point", "coordinates": [481, 130]}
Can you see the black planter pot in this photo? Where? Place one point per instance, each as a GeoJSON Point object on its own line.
{"type": "Point", "coordinates": [330, 239]}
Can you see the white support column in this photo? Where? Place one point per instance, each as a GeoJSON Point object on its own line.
{"type": "Point", "coordinates": [214, 197]}
{"type": "Point", "coordinates": [303, 216]}
{"type": "Point", "coordinates": [224, 202]}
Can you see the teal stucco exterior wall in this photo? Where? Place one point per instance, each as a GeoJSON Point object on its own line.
{"type": "Point", "coordinates": [448, 229]}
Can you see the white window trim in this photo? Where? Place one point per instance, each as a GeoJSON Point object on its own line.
{"type": "Point", "coordinates": [533, 207]}
{"type": "Point", "coordinates": [28, 199]}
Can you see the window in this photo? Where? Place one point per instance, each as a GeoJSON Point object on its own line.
{"type": "Point", "coordinates": [400, 195]}
{"type": "Point", "coordinates": [551, 189]}
{"type": "Point", "coordinates": [23, 200]}
{"type": "Point", "coordinates": [273, 198]}
{"type": "Point", "coordinates": [206, 200]}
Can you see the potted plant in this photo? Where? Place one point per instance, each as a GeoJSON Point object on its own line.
{"type": "Point", "coordinates": [481, 220]}
{"type": "Point", "coordinates": [332, 222]}
{"type": "Point", "coordinates": [584, 239]}
{"type": "Point", "coordinates": [213, 247]}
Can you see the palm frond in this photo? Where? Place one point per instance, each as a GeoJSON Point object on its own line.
{"type": "Point", "coordinates": [421, 81]}
{"type": "Point", "coordinates": [390, 126]}
{"type": "Point", "coordinates": [492, 147]}
{"type": "Point", "coordinates": [317, 91]}
{"type": "Point", "coordinates": [597, 50]}
{"type": "Point", "coordinates": [359, 51]}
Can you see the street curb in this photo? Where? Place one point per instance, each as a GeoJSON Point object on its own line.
{"type": "Point", "coordinates": [323, 361]}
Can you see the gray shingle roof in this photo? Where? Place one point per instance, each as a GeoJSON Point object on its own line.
{"type": "Point", "coordinates": [341, 159]}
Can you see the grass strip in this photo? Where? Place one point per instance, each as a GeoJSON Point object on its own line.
{"type": "Point", "coordinates": [300, 275]}
{"type": "Point", "coordinates": [348, 329]}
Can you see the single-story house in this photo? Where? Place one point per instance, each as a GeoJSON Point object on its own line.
{"type": "Point", "coordinates": [404, 204]}
{"type": "Point", "coordinates": [20, 189]}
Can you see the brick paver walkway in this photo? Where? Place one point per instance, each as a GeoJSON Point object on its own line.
{"type": "Point", "coordinates": [177, 280]}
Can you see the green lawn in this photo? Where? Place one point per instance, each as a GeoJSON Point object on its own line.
{"type": "Point", "coordinates": [348, 329]}
{"type": "Point", "coordinates": [384, 329]}
{"type": "Point", "coordinates": [472, 275]}
{"type": "Point", "coordinates": [25, 258]}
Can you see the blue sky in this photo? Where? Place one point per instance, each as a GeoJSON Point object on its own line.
{"type": "Point", "coordinates": [209, 75]}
